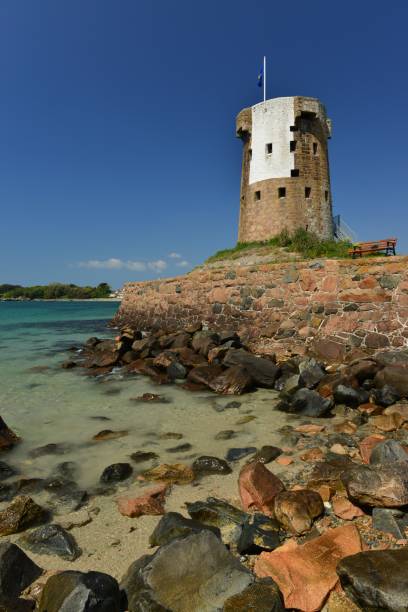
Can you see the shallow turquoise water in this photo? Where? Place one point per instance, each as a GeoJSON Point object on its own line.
{"type": "Point", "coordinates": [45, 404]}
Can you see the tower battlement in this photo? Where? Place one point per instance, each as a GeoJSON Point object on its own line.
{"type": "Point", "coordinates": [285, 180]}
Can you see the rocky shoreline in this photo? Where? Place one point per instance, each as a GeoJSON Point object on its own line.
{"type": "Point", "coordinates": [318, 522]}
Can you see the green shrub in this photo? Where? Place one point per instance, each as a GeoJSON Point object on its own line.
{"type": "Point", "coordinates": [307, 244]}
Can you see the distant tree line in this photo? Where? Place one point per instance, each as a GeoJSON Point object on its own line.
{"type": "Point", "coordinates": [54, 291]}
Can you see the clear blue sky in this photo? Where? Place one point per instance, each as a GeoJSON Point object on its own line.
{"type": "Point", "coordinates": [117, 143]}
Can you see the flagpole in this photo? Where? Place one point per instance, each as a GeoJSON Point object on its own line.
{"type": "Point", "coordinates": [264, 77]}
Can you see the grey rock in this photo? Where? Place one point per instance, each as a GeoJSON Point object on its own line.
{"type": "Point", "coordinates": [180, 448]}
{"type": "Point", "coordinates": [259, 532]}
{"type": "Point", "coordinates": [116, 473]}
{"type": "Point", "coordinates": [386, 396]}
{"type": "Point", "coordinates": [376, 579]}
{"type": "Point", "coordinates": [51, 540]}
{"type": "Point", "coordinates": [141, 456]}
{"type": "Point", "coordinates": [385, 486]}
{"type": "Point", "coordinates": [192, 574]}
{"type": "Point", "coordinates": [216, 512]}
{"type": "Point", "coordinates": [221, 407]}
{"type": "Point", "coordinates": [176, 371]}
{"type": "Point", "coordinates": [206, 465]}
{"type": "Point", "coordinates": [17, 571]}
{"type": "Point", "coordinates": [390, 521]}
{"type": "Point", "coordinates": [311, 373]}
{"type": "Point", "coordinates": [225, 434]}
{"type": "Point", "coordinates": [234, 454]}
{"type": "Point", "coordinates": [349, 396]}
{"type": "Point", "coordinates": [174, 525]}
{"type": "Point", "coordinates": [267, 454]}
{"type": "Point", "coordinates": [308, 403]}
{"type": "Point", "coordinates": [387, 452]}
{"type": "Point", "coordinates": [72, 591]}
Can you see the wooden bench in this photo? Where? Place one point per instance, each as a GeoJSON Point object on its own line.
{"type": "Point", "coordinates": [386, 246]}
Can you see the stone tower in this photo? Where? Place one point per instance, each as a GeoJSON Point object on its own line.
{"type": "Point", "coordinates": [285, 179]}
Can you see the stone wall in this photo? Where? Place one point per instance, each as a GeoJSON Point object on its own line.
{"type": "Point", "coordinates": [333, 307]}
{"type": "Point", "coordinates": [302, 169]}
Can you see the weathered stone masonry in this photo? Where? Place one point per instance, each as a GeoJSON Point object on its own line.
{"type": "Point", "coordinates": [332, 306]}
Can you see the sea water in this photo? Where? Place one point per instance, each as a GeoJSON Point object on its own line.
{"type": "Point", "coordinates": [45, 404]}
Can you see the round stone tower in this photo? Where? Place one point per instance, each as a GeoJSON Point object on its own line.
{"type": "Point", "coordinates": [285, 179]}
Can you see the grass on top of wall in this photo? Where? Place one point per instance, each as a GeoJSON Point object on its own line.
{"type": "Point", "coordinates": [306, 244]}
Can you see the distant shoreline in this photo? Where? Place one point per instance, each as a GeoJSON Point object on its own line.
{"type": "Point", "coordinates": [61, 300]}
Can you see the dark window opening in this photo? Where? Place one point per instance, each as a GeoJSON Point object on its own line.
{"type": "Point", "coordinates": [293, 145]}
{"type": "Point", "coordinates": [326, 196]}
{"type": "Point", "coordinates": [294, 128]}
{"type": "Point", "coordinates": [294, 172]}
{"type": "Point", "coordinates": [308, 191]}
{"type": "Point", "coordinates": [257, 196]}
{"type": "Point", "coordinates": [268, 148]}
{"type": "Point", "coordinates": [308, 115]}
{"type": "Point", "coordinates": [282, 192]}
{"type": "Point", "coordinates": [250, 153]}
{"type": "Point", "coordinates": [315, 148]}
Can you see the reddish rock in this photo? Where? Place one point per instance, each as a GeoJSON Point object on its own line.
{"type": "Point", "coordinates": [306, 573]}
{"type": "Point", "coordinates": [375, 341]}
{"type": "Point", "coordinates": [284, 460]}
{"type": "Point", "coordinates": [400, 408]}
{"type": "Point", "coordinates": [370, 409]}
{"type": "Point", "coordinates": [296, 510]}
{"type": "Point", "coordinates": [367, 444]}
{"type": "Point", "coordinates": [258, 487]}
{"type": "Point", "coordinates": [7, 437]}
{"type": "Point", "coordinates": [152, 502]}
{"type": "Point", "coordinates": [344, 509]}
{"type": "Point", "coordinates": [328, 349]}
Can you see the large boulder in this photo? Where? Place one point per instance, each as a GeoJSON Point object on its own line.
{"type": "Point", "coordinates": [376, 579]}
{"type": "Point", "coordinates": [72, 591]}
{"type": "Point", "coordinates": [51, 540]}
{"type": "Point", "coordinates": [17, 571]}
{"type": "Point", "coordinates": [192, 574]}
{"type": "Point", "coordinates": [378, 485]}
{"type": "Point", "coordinates": [306, 402]}
{"type": "Point", "coordinates": [263, 372]}
{"type": "Point", "coordinates": [296, 510]}
{"type": "Point", "coordinates": [21, 514]}
{"type": "Point", "coordinates": [306, 573]}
